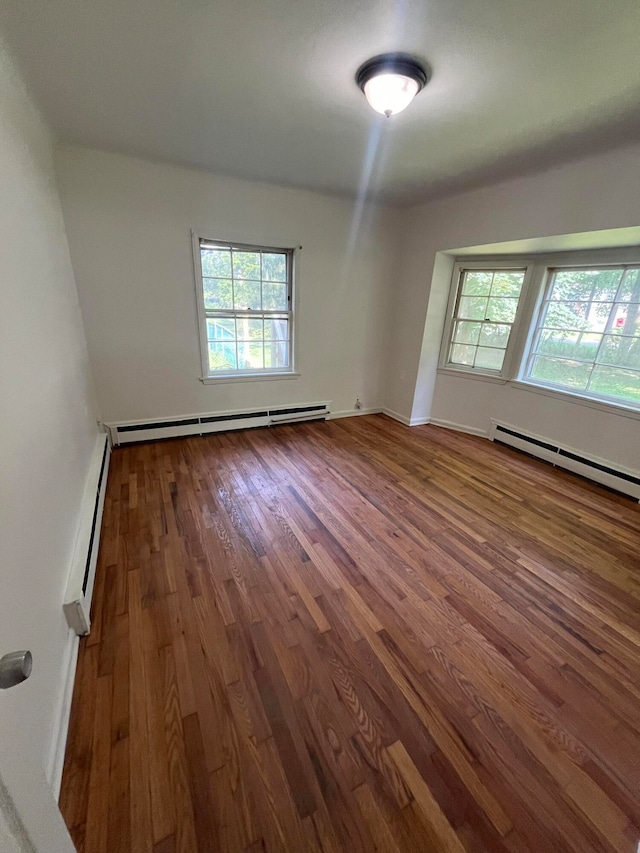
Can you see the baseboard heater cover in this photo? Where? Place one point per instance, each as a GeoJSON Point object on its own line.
{"type": "Point", "coordinates": [599, 470]}
{"type": "Point", "coordinates": [202, 424]}
{"type": "Point", "coordinates": [77, 603]}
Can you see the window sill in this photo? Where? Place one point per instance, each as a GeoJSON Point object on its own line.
{"type": "Point", "coordinates": [247, 377]}
{"type": "Point", "coordinates": [568, 396]}
{"type": "Point", "coordinates": [472, 374]}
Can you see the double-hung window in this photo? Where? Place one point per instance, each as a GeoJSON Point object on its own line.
{"type": "Point", "coordinates": [245, 301]}
{"type": "Point", "coordinates": [483, 313]}
{"type": "Point", "coordinates": [576, 331]}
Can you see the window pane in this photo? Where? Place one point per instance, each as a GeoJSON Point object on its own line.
{"type": "Point", "coordinates": [277, 328]}
{"type": "Point", "coordinates": [222, 356]}
{"type": "Point", "coordinates": [276, 354]}
{"type": "Point", "coordinates": [243, 356]}
{"type": "Point", "coordinates": [558, 371]}
{"type": "Point", "coordinates": [216, 262]}
{"type": "Point", "coordinates": [507, 283]}
{"type": "Point", "coordinates": [630, 291]}
{"type": "Point", "coordinates": [569, 344]}
{"type": "Point", "coordinates": [598, 285]}
{"type": "Point", "coordinates": [274, 297]}
{"type": "Point", "coordinates": [626, 320]}
{"type": "Point", "coordinates": [476, 283]}
{"type": "Point", "coordinates": [472, 308]}
{"type": "Point", "coordinates": [566, 315]}
{"type": "Point", "coordinates": [606, 285]}
{"type": "Point", "coordinates": [250, 355]}
{"type": "Point", "coordinates": [493, 335]}
{"type": "Point", "coordinates": [467, 333]}
{"type": "Point", "coordinates": [490, 359]}
{"type": "Point", "coordinates": [624, 352]}
{"type": "Point", "coordinates": [615, 382]}
{"type": "Point", "coordinates": [256, 355]}
{"type": "Point", "coordinates": [461, 354]}
{"type": "Point", "coordinates": [246, 295]}
{"type": "Point", "coordinates": [502, 309]}
{"type": "Point", "coordinates": [218, 293]}
{"type": "Point", "coordinates": [248, 328]}
{"type": "Point", "coordinates": [246, 265]}
{"type": "Point", "coordinates": [598, 316]}
{"type": "Point", "coordinates": [221, 329]}
{"type": "Point", "coordinates": [557, 342]}
{"type": "Point", "coordinates": [274, 267]}
{"type": "Point", "coordinates": [570, 285]}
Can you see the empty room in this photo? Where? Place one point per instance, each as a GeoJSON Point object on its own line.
{"type": "Point", "coordinates": [320, 382]}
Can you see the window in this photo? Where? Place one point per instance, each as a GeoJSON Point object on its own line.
{"type": "Point", "coordinates": [484, 312]}
{"type": "Point", "coordinates": [567, 323]}
{"type": "Point", "coordinates": [587, 335]}
{"type": "Point", "coordinates": [246, 309]}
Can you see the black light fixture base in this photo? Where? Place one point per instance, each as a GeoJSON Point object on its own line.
{"type": "Point", "coordinates": [392, 63]}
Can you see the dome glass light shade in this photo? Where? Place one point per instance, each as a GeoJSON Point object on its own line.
{"type": "Point", "coordinates": [390, 93]}
{"type": "Point", "coordinates": [391, 81]}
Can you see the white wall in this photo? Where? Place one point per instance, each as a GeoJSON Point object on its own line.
{"type": "Point", "coordinates": [588, 195]}
{"type": "Point", "coordinates": [128, 223]}
{"type": "Point", "coordinates": [47, 435]}
{"type": "Point", "coordinates": [13, 836]}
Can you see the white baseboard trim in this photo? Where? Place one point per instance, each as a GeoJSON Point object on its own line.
{"type": "Point", "coordinates": [406, 421]}
{"type": "Point", "coordinates": [62, 714]}
{"type": "Point", "coordinates": [352, 413]}
{"type": "Point", "coordinates": [396, 416]}
{"type": "Point", "coordinates": [483, 433]}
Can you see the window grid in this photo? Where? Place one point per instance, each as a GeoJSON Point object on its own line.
{"type": "Point", "coordinates": [616, 312]}
{"type": "Point", "coordinates": [275, 350]}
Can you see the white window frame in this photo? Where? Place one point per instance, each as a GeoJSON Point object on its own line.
{"type": "Point", "coordinates": [465, 265]}
{"type": "Point", "coordinates": [281, 246]}
{"type": "Point", "coordinates": [527, 318]}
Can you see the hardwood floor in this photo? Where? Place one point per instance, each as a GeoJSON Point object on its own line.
{"type": "Point", "coordinates": [356, 636]}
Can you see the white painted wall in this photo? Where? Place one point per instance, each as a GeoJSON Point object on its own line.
{"type": "Point", "coordinates": [596, 193]}
{"type": "Point", "coordinates": [47, 435]}
{"type": "Point", "coordinates": [13, 836]}
{"type": "Point", "coordinates": [128, 223]}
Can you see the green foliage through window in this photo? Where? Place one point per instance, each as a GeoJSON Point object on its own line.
{"type": "Point", "coordinates": [588, 335]}
{"type": "Point", "coordinates": [485, 311]}
{"type": "Point", "coordinates": [584, 336]}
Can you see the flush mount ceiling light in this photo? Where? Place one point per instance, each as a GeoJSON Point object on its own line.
{"type": "Point", "coordinates": [391, 81]}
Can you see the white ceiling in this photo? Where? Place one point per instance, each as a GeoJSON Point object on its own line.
{"type": "Point", "coordinates": [264, 89]}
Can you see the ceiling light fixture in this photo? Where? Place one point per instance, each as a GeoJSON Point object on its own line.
{"type": "Point", "coordinates": [391, 81]}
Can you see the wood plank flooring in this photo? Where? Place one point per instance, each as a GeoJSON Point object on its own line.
{"type": "Point", "coordinates": [356, 636]}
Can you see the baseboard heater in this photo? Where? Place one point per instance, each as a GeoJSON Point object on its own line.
{"type": "Point", "coordinates": [599, 470]}
{"type": "Point", "coordinates": [77, 604]}
{"type": "Point", "coordinates": [152, 430]}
